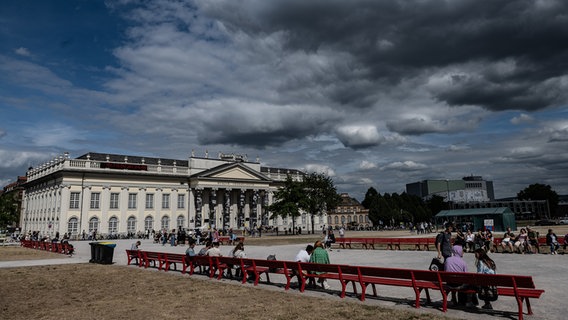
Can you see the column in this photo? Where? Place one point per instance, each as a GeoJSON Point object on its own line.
{"type": "Point", "coordinates": [213, 208]}
{"type": "Point", "coordinates": [227, 209]}
{"type": "Point", "coordinates": [241, 210]}
{"type": "Point", "coordinates": [198, 207]}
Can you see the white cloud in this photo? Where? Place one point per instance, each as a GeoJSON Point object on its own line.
{"type": "Point", "coordinates": [404, 166]}
{"type": "Point", "coordinates": [522, 118]}
{"type": "Point", "coordinates": [356, 136]}
{"type": "Point", "coordinates": [23, 52]}
{"type": "Point", "coordinates": [319, 168]}
{"type": "Point", "coordinates": [366, 165]}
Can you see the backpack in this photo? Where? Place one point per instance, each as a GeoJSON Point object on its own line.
{"type": "Point", "coordinates": [439, 239]}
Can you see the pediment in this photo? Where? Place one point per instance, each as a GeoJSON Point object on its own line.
{"type": "Point", "coordinates": [233, 172]}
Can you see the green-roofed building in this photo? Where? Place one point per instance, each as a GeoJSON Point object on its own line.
{"type": "Point", "coordinates": [498, 218]}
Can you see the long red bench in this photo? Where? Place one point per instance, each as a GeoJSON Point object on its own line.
{"type": "Point", "coordinates": [522, 288]}
{"type": "Point", "coordinates": [56, 247]}
{"type": "Point", "coordinates": [226, 240]}
{"type": "Point", "coordinates": [389, 243]}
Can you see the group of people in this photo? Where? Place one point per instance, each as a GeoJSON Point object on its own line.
{"type": "Point", "coordinates": [453, 262]}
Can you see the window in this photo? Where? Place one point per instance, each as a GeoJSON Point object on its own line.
{"type": "Point", "coordinates": [342, 219]}
{"type": "Point", "coordinates": [336, 219]}
{"type": "Point", "coordinates": [95, 200]}
{"type": "Point", "coordinates": [166, 223]}
{"type": "Point", "coordinates": [132, 200]}
{"type": "Point", "coordinates": [113, 225]}
{"type": "Point", "coordinates": [181, 201]}
{"type": "Point", "coordinates": [114, 200]}
{"type": "Point", "coordinates": [93, 224]}
{"type": "Point", "coordinates": [74, 200]}
{"type": "Point", "coordinates": [180, 222]}
{"type": "Point", "coordinates": [131, 225]}
{"type": "Point", "coordinates": [166, 201]}
{"type": "Point", "coordinates": [72, 226]}
{"type": "Point", "coordinates": [148, 223]}
{"type": "Point", "coordinates": [150, 201]}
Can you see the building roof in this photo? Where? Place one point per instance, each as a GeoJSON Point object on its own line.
{"type": "Point", "coordinates": [474, 212]}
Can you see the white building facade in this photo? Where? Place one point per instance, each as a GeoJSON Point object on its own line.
{"type": "Point", "coordinates": [119, 195]}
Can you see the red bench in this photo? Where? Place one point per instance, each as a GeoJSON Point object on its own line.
{"type": "Point", "coordinates": [56, 247]}
{"type": "Point", "coordinates": [225, 239]}
{"type": "Point", "coordinates": [152, 257]}
{"type": "Point", "coordinates": [134, 255]}
{"type": "Point", "coordinates": [389, 243]}
{"type": "Point", "coordinates": [172, 259]}
{"type": "Point", "coordinates": [520, 287]}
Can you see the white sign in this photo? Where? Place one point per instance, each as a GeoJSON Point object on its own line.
{"type": "Point", "coordinates": [488, 222]}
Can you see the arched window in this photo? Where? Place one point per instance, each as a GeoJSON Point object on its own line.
{"type": "Point", "coordinates": [336, 219]}
{"type": "Point", "coordinates": [180, 221]}
{"type": "Point", "coordinates": [112, 225]}
{"type": "Point", "coordinates": [348, 219]}
{"type": "Point", "coordinates": [342, 219]}
{"type": "Point", "coordinates": [72, 226]}
{"type": "Point", "coordinates": [149, 223]}
{"type": "Point", "coordinates": [93, 224]}
{"type": "Point", "coordinates": [166, 223]}
{"type": "Point", "coordinates": [328, 219]}
{"type": "Point", "coordinates": [361, 219]}
{"type": "Point", "coordinates": [131, 225]}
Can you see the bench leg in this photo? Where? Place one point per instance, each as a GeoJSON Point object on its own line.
{"type": "Point", "coordinates": [520, 304]}
{"type": "Point", "coordinates": [529, 309]}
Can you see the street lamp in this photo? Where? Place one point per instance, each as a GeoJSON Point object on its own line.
{"type": "Point", "coordinates": [448, 189]}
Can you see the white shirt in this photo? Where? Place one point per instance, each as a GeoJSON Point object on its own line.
{"type": "Point", "coordinates": [302, 256]}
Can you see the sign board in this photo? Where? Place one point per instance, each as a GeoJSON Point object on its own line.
{"type": "Point", "coordinates": [488, 223]}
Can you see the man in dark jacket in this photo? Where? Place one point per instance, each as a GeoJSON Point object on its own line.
{"type": "Point", "coordinates": [444, 242]}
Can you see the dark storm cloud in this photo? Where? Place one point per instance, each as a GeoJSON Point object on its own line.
{"type": "Point", "coordinates": [390, 41]}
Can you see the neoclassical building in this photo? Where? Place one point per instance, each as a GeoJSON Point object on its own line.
{"type": "Point", "coordinates": [349, 214]}
{"type": "Point", "coordinates": [120, 194]}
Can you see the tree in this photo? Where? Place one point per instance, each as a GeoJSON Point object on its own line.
{"type": "Point", "coordinates": [286, 201]}
{"type": "Point", "coordinates": [371, 202]}
{"type": "Point", "coordinates": [8, 209]}
{"type": "Point", "coordinates": [319, 195]}
{"type": "Point", "coordinates": [436, 204]}
{"type": "Point", "coordinates": [539, 191]}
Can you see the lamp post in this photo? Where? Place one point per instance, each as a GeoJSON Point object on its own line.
{"type": "Point", "coordinates": [448, 189]}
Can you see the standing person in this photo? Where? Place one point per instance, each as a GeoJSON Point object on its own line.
{"type": "Point", "coordinates": [342, 232]}
{"type": "Point", "coordinates": [172, 238]}
{"type": "Point", "coordinates": [469, 241]}
{"type": "Point", "coordinates": [320, 255]}
{"type": "Point", "coordinates": [484, 265]}
{"type": "Point", "coordinates": [443, 242]}
{"type": "Point", "coordinates": [552, 241]}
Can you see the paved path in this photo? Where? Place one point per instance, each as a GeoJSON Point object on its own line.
{"type": "Point", "coordinates": [548, 271]}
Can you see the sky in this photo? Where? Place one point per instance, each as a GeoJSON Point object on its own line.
{"type": "Point", "coordinates": [372, 93]}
